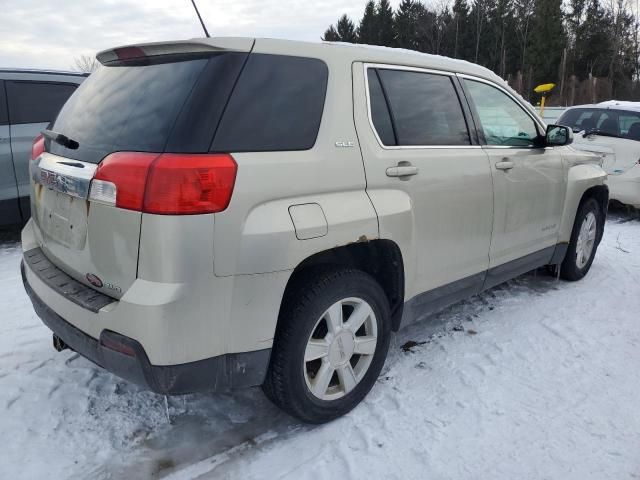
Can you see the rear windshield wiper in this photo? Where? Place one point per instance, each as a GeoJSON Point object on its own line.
{"type": "Point", "coordinates": [61, 139]}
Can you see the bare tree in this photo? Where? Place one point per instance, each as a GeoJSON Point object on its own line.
{"type": "Point", "coordinates": [524, 13]}
{"type": "Point", "coordinates": [85, 64]}
{"type": "Point", "coordinates": [480, 7]}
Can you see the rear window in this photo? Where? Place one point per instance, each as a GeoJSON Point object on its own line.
{"type": "Point", "coordinates": [276, 105]}
{"type": "Point", "coordinates": [134, 107]}
{"type": "Point", "coordinates": [36, 102]}
{"type": "Point", "coordinates": [186, 105]}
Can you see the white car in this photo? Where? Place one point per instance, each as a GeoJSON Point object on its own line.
{"type": "Point", "coordinates": [612, 130]}
{"type": "Point", "coordinates": [229, 212]}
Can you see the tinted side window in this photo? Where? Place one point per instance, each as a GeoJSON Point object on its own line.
{"type": "Point", "coordinates": [36, 102]}
{"type": "Point", "coordinates": [503, 121]}
{"type": "Point", "coordinates": [425, 108]}
{"type": "Point", "coordinates": [629, 125]}
{"type": "Point", "coordinates": [379, 110]}
{"type": "Point", "coordinates": [592, 118]}
{"type": "Point", "coordinates": [4, 115]}
{"type": "Point", "coordinates": [276, 105]}
{"type": "Point", "coordinates": [573, 118]}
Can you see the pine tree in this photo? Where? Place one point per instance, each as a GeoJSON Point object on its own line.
{"type": "Point", "coordinates": [385, 23]}
{"type": "Point", "coordinates": [548, 40]}
{"type": "Point", "coordinates": [406, 25]}
{"type": "Point", "coordinates": [527, 41]}
{"type": "Point", "coordinates": [331, 35]}
{"type": "Point", "coordinates": [500, 55]}
{"type": "Point", "coordinates": [429, 31]}
{"type": "Point", "coordinates": [368, 28]}
{"type": "Point", "coordinates": [523, 25]}
{"type": "Point", "coordinates": [346, 30]}
{"type": "Point", "coordinates": [593, 42]}
{"type": "Point", "coordinates": [480, 15]}
{"type": "Point", "coordinates": [458, 41]}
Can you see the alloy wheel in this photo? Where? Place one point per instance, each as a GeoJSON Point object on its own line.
{"type": "Point", "coordinates": [340, 348]}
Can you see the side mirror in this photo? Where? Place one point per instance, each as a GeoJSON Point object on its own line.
{"type": "Point", "coordinates": [558, 135]}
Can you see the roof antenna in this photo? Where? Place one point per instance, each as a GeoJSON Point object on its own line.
{"type": "Point", "coordinates": [206, 33]}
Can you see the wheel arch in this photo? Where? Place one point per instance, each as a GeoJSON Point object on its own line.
{"type": "Point", "coordinates": [380, 258]}
{"type": "Point", "coordinates": [600, 193]}
{"type": "Point", "coordinates": [584, 181]}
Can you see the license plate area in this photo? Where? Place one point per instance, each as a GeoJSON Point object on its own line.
{"type": "Point", "coordinates": [59, 200]}
{"type": "Point", "coordinates": [61, 217]}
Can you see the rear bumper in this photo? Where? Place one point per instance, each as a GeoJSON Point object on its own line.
{"type": "Point", "coordinates": [220, 373]}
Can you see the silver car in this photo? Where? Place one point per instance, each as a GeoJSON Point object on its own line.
{"type": "Point", "coordinates": [29, 100]}
{"type": "Point", "coordinates": [229, 212]}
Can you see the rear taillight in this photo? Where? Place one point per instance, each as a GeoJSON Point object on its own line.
{"type": "Point", "coordinates": [184, 184]}
{"type": "Point", "coordinates": [37, 148]}
{"type": "Point", "coordinates": [121, 178]}
{"type": "Point", "coordinates": [165, 184]}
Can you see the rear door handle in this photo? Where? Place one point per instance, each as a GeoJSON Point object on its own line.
{"type": "Point", "coordinates": [402, 171]}
{"type": "Point", "coordinates": [505, 165]}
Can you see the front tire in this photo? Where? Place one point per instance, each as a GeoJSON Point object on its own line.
{"type": "Point", "coordinates": [587, 231]}
{"type": "Point", "coordinates": [331, 343]}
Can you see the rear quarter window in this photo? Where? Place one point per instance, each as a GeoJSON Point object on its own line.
{"type": "Point", "coordinates": [36, 102]}
{"type": "Point", "coordinates": [276, 105]}
{"type": "Point", "coordinates": [379, 110]}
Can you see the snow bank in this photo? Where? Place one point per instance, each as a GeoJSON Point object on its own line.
{"type": "Point", "coordinates": [533, 379]}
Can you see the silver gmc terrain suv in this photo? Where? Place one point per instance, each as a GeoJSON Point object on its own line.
{"type": "Point", "coordinates": [228, 212]}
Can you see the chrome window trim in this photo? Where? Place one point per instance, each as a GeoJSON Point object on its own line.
{"type": "Point", "coordinates": [539, 123]}
{"type": "Point", "coordinates": [385, 66]}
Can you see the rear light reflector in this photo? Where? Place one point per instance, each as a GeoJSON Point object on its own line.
{"type": "Point", "coordinates": [165, 184]}
{"type": "Point", "coordinates": [37, 148]}
{"type": "Point", "coordinates": [117, 343]}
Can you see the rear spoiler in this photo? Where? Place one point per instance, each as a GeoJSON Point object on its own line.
{"type": "Point", "coordinates": [208, 45]}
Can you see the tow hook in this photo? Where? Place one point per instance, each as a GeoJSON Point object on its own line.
{"type": "Point", "coordinates": [59, 344]}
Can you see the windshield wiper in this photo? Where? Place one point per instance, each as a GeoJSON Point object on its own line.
{"type": "Point", "coordinates": [61, 139]}
{"type": "Point", "coordinates": [595, 131]}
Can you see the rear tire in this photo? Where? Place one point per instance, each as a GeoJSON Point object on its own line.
{"type": "Point", "coordinates": [331, 343]}
{"type": "Point", "coordinates": [586, 234]}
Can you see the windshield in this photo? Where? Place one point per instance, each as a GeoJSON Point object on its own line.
{"type": "Point", "coordinates": [137, 107]}
{"type": "Point", "coordinates": [611, 123]}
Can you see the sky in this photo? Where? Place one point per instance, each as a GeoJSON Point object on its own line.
{"type": "Point", "coordinates": [52, 33]}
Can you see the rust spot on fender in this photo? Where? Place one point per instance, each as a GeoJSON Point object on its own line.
{"type": "Point", "coordinates": [361, 239]}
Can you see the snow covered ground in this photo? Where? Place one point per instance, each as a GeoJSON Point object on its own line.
{"type": "Point", "coordinates": [535, 379]}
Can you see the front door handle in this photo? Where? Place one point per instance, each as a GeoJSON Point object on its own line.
{"type": "Point", "coordinates": [505, 165]}
{"type": "Point", "coordinates": [402, 171]}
